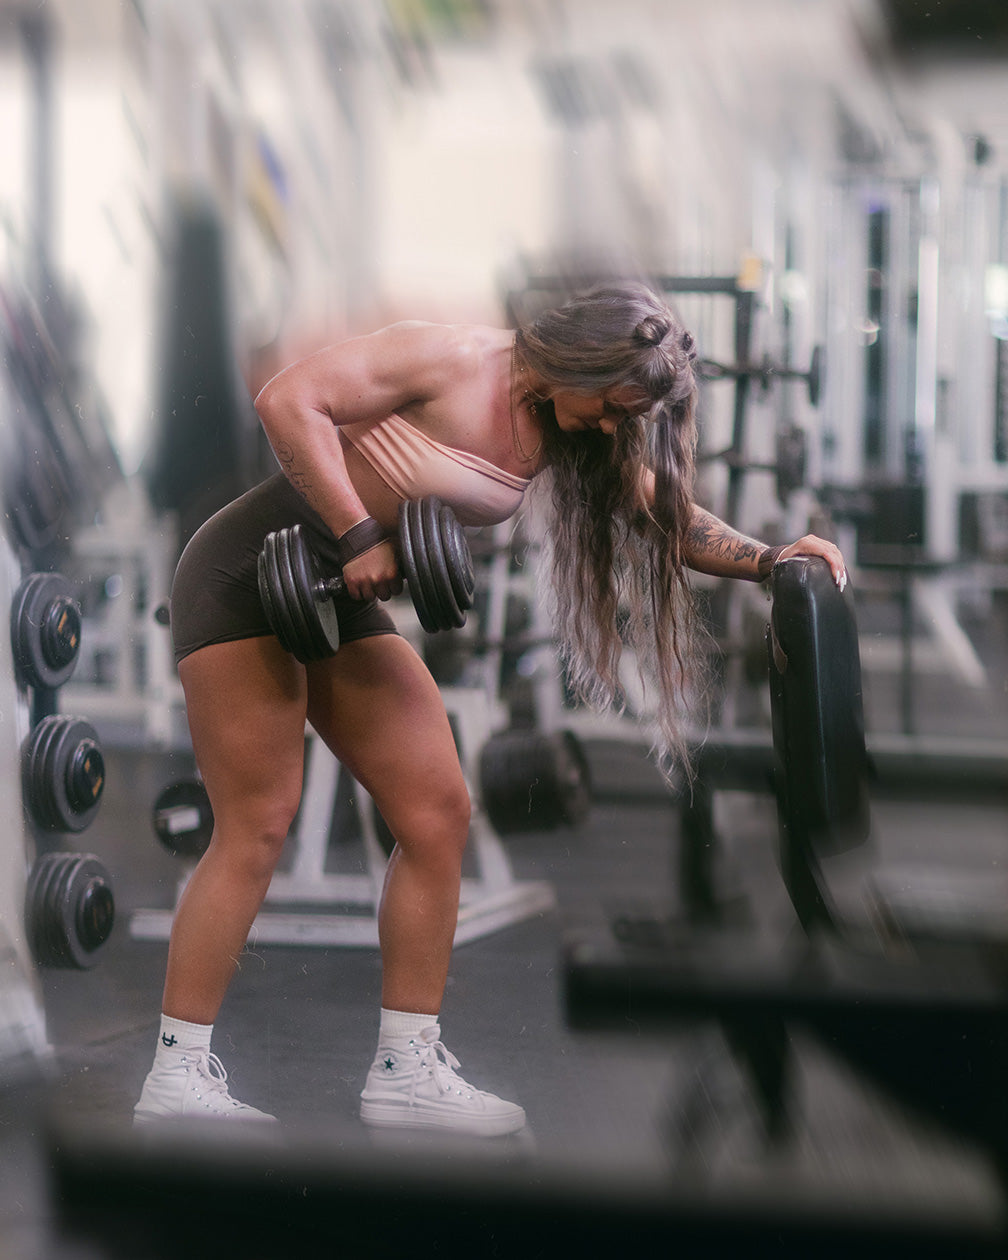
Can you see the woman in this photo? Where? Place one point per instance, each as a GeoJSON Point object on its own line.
{"type": "Point", "coordinates": [598, 399]}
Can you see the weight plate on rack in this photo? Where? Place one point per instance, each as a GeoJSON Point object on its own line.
{"type": "Point", "coordinates": [69, 910]}
{"type": "Point", "coordinates": [63, 773]}
{"type": "Point", "coordinates": [45, 630]}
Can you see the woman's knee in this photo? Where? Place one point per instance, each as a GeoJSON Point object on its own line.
{"type": "Point", "coordinates": [435, 823]}
{"type": "Point", "coordinates": [253, 830]}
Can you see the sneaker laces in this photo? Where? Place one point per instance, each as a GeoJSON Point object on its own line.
{"type": "Point", "coordinates": [441, 1062]}
{"type": "Point", "coordinates": [214, 1075]}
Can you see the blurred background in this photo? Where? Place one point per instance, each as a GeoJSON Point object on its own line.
{"type": "Point", "coordinates": [195, 192]}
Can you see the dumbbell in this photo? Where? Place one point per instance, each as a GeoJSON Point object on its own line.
{"type": "Point", "coordinates": [298, 598]}
{"type": "Point", "coordinates": [45, 630]}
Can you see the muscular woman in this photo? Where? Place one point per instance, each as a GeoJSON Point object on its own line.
{"type": "Point", "coordinates": [597, 399]}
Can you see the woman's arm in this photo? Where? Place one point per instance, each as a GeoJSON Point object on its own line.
{"type": "Point", "coordinates": [713, 547]}
{"type": "Point", "coordinates": [365, 378]}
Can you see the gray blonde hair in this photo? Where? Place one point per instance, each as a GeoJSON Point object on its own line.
{"type": "Point", "coordinates": [617, 574]}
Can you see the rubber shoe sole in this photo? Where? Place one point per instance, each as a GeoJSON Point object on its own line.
{"type": "Point", "coordinates": [436, 1115]}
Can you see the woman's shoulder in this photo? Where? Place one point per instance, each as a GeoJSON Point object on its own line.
{"type": "Point", "coordinates": [456, 351]}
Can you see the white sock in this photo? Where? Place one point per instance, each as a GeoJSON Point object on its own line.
{"type": "Point", "coordinates": [176, 1034]}
{"type": "Point", "coordinates": [396, 1025]}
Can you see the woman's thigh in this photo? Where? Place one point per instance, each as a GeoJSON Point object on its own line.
{"type": "Point", "coordinates": [377, 707]}
{"type": "Point", "coordinates": [246, 704]}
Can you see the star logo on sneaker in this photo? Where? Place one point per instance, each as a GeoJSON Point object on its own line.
{"type": "Point", "coordinates": [389, 1064]}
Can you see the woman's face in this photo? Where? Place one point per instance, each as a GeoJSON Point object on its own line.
{"type": "Point", "coordinates": [577, 412]}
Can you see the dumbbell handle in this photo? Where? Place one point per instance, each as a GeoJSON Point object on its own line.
{"type": "Point", "coordinates": [331, 587]}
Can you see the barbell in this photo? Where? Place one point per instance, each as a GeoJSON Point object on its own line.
{"type": "Point", "coordinates": [766, 370]}
{"type": "Point", "coordinates": [298, 598]}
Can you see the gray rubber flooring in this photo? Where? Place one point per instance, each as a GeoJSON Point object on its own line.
{"type": "Point", "coordinates": [621, 1108]}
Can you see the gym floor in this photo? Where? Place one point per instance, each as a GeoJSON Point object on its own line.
{"type": "Point", "coordinates": [624, 1110]}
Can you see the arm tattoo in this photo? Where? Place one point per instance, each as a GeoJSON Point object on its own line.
{"type": "Point", "coordinates": [298, 478]}
{"type": "Point", "coordinates": [707, 537]}
{"type": "Point", "coordinates": [717, 548]}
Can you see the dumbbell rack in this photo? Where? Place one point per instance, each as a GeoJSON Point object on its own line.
{"type": "Point", "coordinates": [308, 904]}
{"type": "Point", "coordinates": [23, 1037]}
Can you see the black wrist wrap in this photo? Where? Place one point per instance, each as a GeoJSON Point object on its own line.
{"type": "Point", "coordinates": [358, 539]}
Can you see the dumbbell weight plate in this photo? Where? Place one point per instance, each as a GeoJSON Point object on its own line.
{"type": "Point", "coordinates": [534, 780]}
{"type": "Point", "coordinates": [449, 615]}
{"type": "Point", "coordinates": [301, 613]}
{"type": "Point", "coordinates": [45, 630]}
{"type": "Point", "coordinates": [417, 578]}
{"type": "Point", "coordinates": [303, 582]}
{"type": "Point", "coordinates": [183, 818]}
{"type": "Point", "coordinates": [63, 773]}
{"type": "Point", "coordinates": [459, 559]}
{"type": "Point", "coordinates": [69, 910]}
{"type": "Point", "coordinates": [292, 600]}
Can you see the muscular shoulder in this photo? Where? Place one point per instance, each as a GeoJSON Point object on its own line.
{"type": "Point", "coordinates": [436, 356]}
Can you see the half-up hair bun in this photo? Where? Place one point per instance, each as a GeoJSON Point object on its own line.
{"type": "Point", "coordinates": [652, 330]}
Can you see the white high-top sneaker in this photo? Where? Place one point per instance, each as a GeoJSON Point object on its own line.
{"type": "Point", "coordinates": [190, 1083]}
{"type": "Point", "coordinates": [413, 1084]}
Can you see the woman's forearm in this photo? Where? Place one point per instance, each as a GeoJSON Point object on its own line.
{"type": "Point", "coordinates": [713, 547]}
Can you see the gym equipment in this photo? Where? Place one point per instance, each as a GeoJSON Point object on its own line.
{"type": "Point", "coordinates": [63, 773]}
{"type": "Point", "coordinates": [69, 910]}
{"type": "Point", "coordinates": [298, 598]}
{"type": "Point", "coordinates": [534, 780]}
{"type": "Point", "coordinates": [765, 372]}
{"type": "Point", "coordinates": [789, 466]}
{"type": "Point", "coordinates": [183, 819]}
{"type": "Point", "coordinates": [922, 1013]}
{"type": "Point", "coordinates": [45, 630]}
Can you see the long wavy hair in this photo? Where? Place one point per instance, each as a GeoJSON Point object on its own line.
{"type": "Point", "coordinates": [615, 562]}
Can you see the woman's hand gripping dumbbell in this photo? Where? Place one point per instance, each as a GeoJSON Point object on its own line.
{"type": "Point", "coordinates": [298, 597]}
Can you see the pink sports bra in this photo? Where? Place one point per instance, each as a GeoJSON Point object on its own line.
{"type": "Point", "coordinates": [413, 465]}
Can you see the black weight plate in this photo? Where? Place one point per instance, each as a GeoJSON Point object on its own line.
{"type": "Point", "coordinates": [48, 773]}
{"type": "Point", "coordinates": [87, 911]}
{"type": "Point", "coordinates": [271, 593]}
{"type": "Point", "coordinates": [293, 600]}
{"type": "Point", "coordinates": [410, 540]}
{"type": "Point", "coordinates": [37, 773]}
{"type": "Point", "coordinates": [446, 609]}
{"type": "Point", "coordinates": [425, 573]}
{"type": "Point", "coordinates": [459, 558]}
{"type": "Point", "coordinates": [317, 606]}
{"type": "Point", "coordinates": [69, 910]}
{"type": "Point", "coordinates": [815, 376]}
{"type": "Point", "coordinates": [573, 779]}
{"type": "Point", "coordinates": [38, 925]}
{"type": "Point", "coordinates": [45, 630]}
{"type": "Point", "coordinates": [183, 818]}
{"type": "Point", "coordinates": [534, 780]}
{"type": "Point", "coordinates": [269, 584]}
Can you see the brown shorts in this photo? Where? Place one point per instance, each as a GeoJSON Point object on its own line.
{"type": "Point", "coordinates": [215, 594]}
